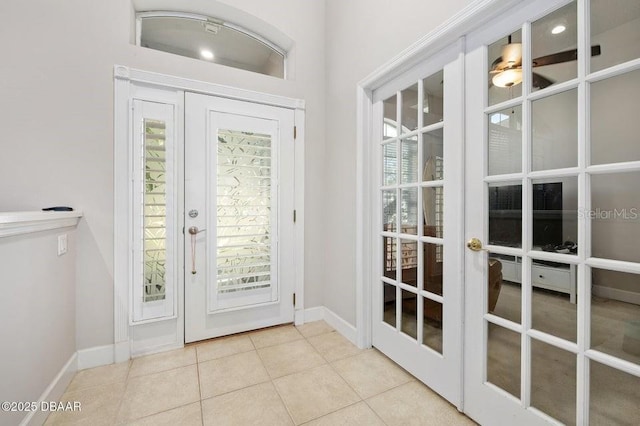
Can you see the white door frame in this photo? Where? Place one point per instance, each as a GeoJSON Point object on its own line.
{"type": "Point", "coordinates": [470, 18]}
{"type": "Point", "coordinates": [125, 81]}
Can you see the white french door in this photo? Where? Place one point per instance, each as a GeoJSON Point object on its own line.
{"type": "Point", "coordinates": [239, 195]}
{"type": "Point", "coordinates": [552, 331]}
{"type": "Point", "coordinates": [416, 301]}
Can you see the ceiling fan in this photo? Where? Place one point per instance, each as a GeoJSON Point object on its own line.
{"type": "Point", "coordinates": [507, 69]}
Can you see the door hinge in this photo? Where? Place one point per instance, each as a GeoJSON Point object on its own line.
{"type": "Point", "coordinates": [295, 132]}
{"type": "Point", "coordinates": [294, 299]}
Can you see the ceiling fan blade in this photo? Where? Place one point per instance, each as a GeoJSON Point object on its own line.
{"type": "Point", "coordinates": [560, 57]}
{"type": "Point", "coordinates": [540, 82]}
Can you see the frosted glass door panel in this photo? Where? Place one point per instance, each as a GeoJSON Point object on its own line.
{"type": "Point", "coordinates": [243, 220]}
{"type": "Point", "coordinates": [154, 221]}
{"type": "Point", "coordinates": [155, 195]}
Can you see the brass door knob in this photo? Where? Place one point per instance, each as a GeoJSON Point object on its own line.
{"type": "Point", "coordinates": [474, 244]}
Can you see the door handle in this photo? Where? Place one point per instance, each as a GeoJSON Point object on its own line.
{"type": "Point", "coordinates": [475, 244]}
{"type": "Point", "coordinates": [193, 230]}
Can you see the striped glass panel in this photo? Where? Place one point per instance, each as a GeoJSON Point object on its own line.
{"type": "Point", "coordinates": [243, 224]}
{"type": "Point", "coordinates": [155, 219]}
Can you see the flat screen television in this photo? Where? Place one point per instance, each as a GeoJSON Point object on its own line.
{"type": "Point", "coordinates": [505, 215]}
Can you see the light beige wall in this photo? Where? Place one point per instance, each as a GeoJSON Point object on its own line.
{"type": "Point", "coordinates": [361, 36]}
{"type": "Point", "coordinates": [37, 314]}
{"type": "Point", "coordinates": [56, 117]}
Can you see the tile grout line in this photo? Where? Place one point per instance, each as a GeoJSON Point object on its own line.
{"type": "Point", "coordinates": [161, 371]}
{"type": "Point", "coordinates": [125, 421]}
{"type": "Point", "coordinates": [126, 386]}
{"type": "Point", "coordinates": [271, 380]}
{"type": "Point", "coordinates": [344, 380]}
{"type": "Point", "coordinates": [199, 387]}
{"type": "Point", "coordinates": [372, 396]}
{"type": "Point", "coordinates": [374, 411]}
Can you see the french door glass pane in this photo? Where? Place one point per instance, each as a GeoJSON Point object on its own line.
{"type": "Point", "coordinates": [433, 258]}
{"type": "Point", "coordinates": [409, 313]}
{"type": "Point", "coordinates": [553, 381]}
{"type": "Point", "coordinates": [433, 211]}
{"type": "Point", "coordinates": [389, 257]}
{"type": "Point", "coordinates": [409, 160]}
{"type": "Point", "coordinates": [432, 104]}
{"type": "Point", "coordinates": [553, 312]}
{"type": "Point", "coordinates": [410, 108]}
{"type": "Point", "coordinates": [614, 396]}
{"type": "Point", "coordinates": [505, 214]}
{"type": "Point", "coordinates": [505, 68]}
{"type": "Point", "coordinates": [504, 291]}
{"type": "Point", "coordinates": [389, 304]}
{"type": "Point", "coordinates": [432, 156]}
{"type": "Point", "coordinates": [432, 324]}
{"type": "Point", "coordinates": [243, 249]}
{"type": "Point", "coordinates": [617, 30]}
{"type": "Point", "coordinates": [555, 215]}
{"type": "Point", "coordinates": [554, 40]}
{"type": "Point", "coordinates": [615, 216]}
{"type": "Point", "coordinates": [615, 126]}
{"type": "Point", "coordinates": [389, 210]}
{"type": "Point", "coordinates": [505, 141]}
{"type": "Point", "coordinates": [390, 120]}
{"type": "Point", "coordinates": [409, 210]}
{"type": "Point", "coordinates": [615, 324]}
{"type": "Point", "coordinates": [555, 131]}
{"type": "Point", "coordinates": [390, 163]}
{"type": "Point", "coordinates": [503, 358]}
{"type": "Point", "coordinates": [409, 251]}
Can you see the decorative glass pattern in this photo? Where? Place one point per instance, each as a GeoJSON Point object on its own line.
{"type": "Point", "coordinates": [155, 218]}
{"type": "Point", "coordinates": [243, 211]}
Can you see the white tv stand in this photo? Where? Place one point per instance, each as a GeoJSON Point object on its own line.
{"type": "Point", "coordinates": [561, 279]}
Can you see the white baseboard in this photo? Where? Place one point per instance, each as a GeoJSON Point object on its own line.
{"type": "Point", "coordinates": [122, 351]}
{"type": "Point", "coordinates": [314, 314]}
{"type": "Point", "coordinates": [616, 294]}
{"type": "Point", "coordinates": [341, 326]}
{"type": "Point", "coordinates": [53, 392]}
{"type": "Point", "coordinates": [323, 313]}
{"type": "Point", "coordinates": [95, 357]}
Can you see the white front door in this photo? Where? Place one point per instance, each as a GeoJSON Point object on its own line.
{"type": "Point", "coordinates": [552, 173]}
{"type": "Point", "coordinates": [239, 236]}
{"type": "Point", "coordinates": [416, 301]}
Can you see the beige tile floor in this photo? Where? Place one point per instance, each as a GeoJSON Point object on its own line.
{"type": "Point", "coordinates": [277, 376]}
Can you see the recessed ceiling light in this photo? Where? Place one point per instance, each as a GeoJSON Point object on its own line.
{"type": "Point", "coordinates": [206, 54]}
{"type": "Point", "coordinates": [558, 29]}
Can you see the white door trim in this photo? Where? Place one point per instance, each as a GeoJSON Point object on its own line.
{"type": "Point", "coordinates": [125, 80]}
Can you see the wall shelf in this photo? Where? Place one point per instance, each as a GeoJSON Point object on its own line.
{"type": "Point", "coordinates": [17, 223]}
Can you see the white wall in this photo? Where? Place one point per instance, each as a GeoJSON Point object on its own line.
{"type": "Point", "coordinates": [56, 117]}
{"type": "Point", "coordinates": [361, 36]}
{"type": "Point", "coordinates": [37, 314]}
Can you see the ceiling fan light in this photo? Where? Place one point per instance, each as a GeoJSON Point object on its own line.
{"type": "Point", "coordinates": [206, 54]}
{"type": "Point", "coordinates": [507, 78]}
{"type": "Point", "coordinates": [512, 53]}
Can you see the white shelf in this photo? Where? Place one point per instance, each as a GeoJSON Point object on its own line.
{"type": "Point", "coordinates": [562, 280]}
{"type": "Point", "coordinates": [17, 223]}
